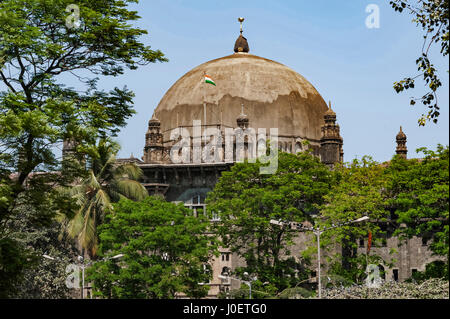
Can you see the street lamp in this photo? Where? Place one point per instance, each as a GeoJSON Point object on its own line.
{"type": "Point", "coordinates": [318, 231]}
{"type": "Point", "coordinates": [83, 266]}
{"type": "Point", "coordinates": [248, 283]}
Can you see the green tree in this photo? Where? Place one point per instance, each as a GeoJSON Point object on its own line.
{"type": "Point", "coordinates": [246, 202]}
{"type": "Point", "coordinates": [166, 251]}
{"type": "Point", "coordinates": [433, 17]}
{"type": "Point", "coordinates": [107, 181]}
{"type": "Point", "coordinates": [42, 43]}
{"type": "Point", "coordinates": [435, 269]}
{"type": "Point", "coordinates": [359, 191]}
{"type": "Point", "coordinates": [46, 279]}
{"type": "Point", "coordinates": [419, 197]}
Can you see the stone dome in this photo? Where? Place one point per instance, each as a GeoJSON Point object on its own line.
{"type": "Point", "coordinates": [401, 135]}
{"type": "Point", "coordinates": [274, 96]}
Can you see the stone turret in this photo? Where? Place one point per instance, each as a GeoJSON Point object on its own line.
{"type": "Point", "coordinates": [242, 120]}
{"type": "Point", "coordinates": [401, 144]}
{"type": "Point", "coordinates": [153, 150]}
{"type": "Point", "coordinates": [241, 44]}
{"type": "Point", "coordinates": [331, 142]}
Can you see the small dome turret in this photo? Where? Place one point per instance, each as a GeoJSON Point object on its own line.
{"type": "Point", "coordinates": [241, 44]}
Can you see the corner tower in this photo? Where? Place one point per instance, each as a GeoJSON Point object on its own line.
{"type": "Point", "coordinates": [331, 142]}
{"type": "Point", "coordinates": [401, 144]}
{"type": "Point", "coordinates": [154, 149]}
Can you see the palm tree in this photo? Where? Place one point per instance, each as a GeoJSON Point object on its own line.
{"type": "Point", "coordinates": [107, 181]}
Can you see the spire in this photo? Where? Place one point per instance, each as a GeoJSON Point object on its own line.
{"type": "Point", "coordinates": [331, 143]}
{"type": "Point", "coordinates": [401, 144]}
{"type": "Point", "coordinates": [154, 121]}
{"type": "Point", "coordinates": [153, 149]}
{"type": "Point", "coordinates": [241, 44]}
{"type": "Point", "coordinates": [242, 120]}
{"type": "Point", "coordinates": [330, 115]}
{"type": "Point", "coordinates": [330, 110]}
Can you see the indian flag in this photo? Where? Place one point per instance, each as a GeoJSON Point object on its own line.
{"type": "Point", "coordinates": [209, 80]}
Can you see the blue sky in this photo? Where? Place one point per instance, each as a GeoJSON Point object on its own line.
{"type": "Point", "coordinates": [325, 41]}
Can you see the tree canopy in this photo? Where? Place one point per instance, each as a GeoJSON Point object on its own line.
{"type": "Point", "coordinates": [246, 201]}
{"type": "Point", "coordinates": [106, 182]}
{"type": "Point", "coordinates": [42, 44]}
{"type": "Point", "coordinates": [419, 197]}
{"type": "Point", "coordinates": [166, 251]}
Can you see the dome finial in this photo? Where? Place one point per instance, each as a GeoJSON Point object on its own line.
{"type": "Point", "coordinates": [241, 21]}
{"type": "Point", "coordinates": [330, 113]}
{"type": "Point", "coordinates": [242, 120]}
{"type": "Point", "coordinates": [241, 44]}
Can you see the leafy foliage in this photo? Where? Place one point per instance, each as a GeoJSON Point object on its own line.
{"type": "Point", "coordinates": [107, 182]}
{"type": "Point", "coordinates": [419, 196]}
{"type": "Point", "coordinates": [46, 279]}
{"type": "Point", "coordinates": [246, 202]}
{"type": "Point", "coordinates": [433, 17]}
{"type": "Point", "coordinates": [358, 192]}
{"type": "Point", "coordinates": [430, 289]}
{"type": "Point", "coordinates": [166, 251]}
{"type": "Point", "coordinates": [38, 112]}
{"type": "Point", "coordinates": [435, 269]}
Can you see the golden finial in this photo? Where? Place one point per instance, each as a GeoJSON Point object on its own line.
{"type": "Point", "coordinates": [241, 21]}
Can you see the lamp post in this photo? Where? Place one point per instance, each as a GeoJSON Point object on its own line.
{"type": "Point", "coordinates": [318, 231]}
{"type": "Point", "coordinates": [248, 283]}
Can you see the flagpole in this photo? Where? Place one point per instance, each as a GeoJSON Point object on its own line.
{"type": "Point", "coordinates": [204, 99]}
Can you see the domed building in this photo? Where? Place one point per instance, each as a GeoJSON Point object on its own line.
{"type": "Point", "coordinates": [243, 92]}
{"type": "Point", "coordinates": [248, 92]}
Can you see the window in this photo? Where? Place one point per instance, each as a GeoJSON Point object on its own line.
{"type": "Point", "coordinates": [225, 256]}
{"type": "Point", "coordinates": [413, 271]}
{"type": "Point", "coordinates": [424, 241]}
{"type": "Point", "coordinates": [225, 271]}
{"type": "Point", "coordinates": [382, 272]}
{"type": "Point", "coordinates": [196, 204]}
{"type": "Point", "coordinates": [395, 274]}
{"type": "Point", "coordinates": [298, 147]}
{"type": "Point", "coordinates": [361, 242]}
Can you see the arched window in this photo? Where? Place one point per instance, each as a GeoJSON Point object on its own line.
{"type": "Point", "coordinates": [225, 271]}
{"type": "Point", "coordinates": [196, 203]}
{"type": "Point", "coordinates": [382, 272]}
{"type": "Point", "coordinates": [298, 147]}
